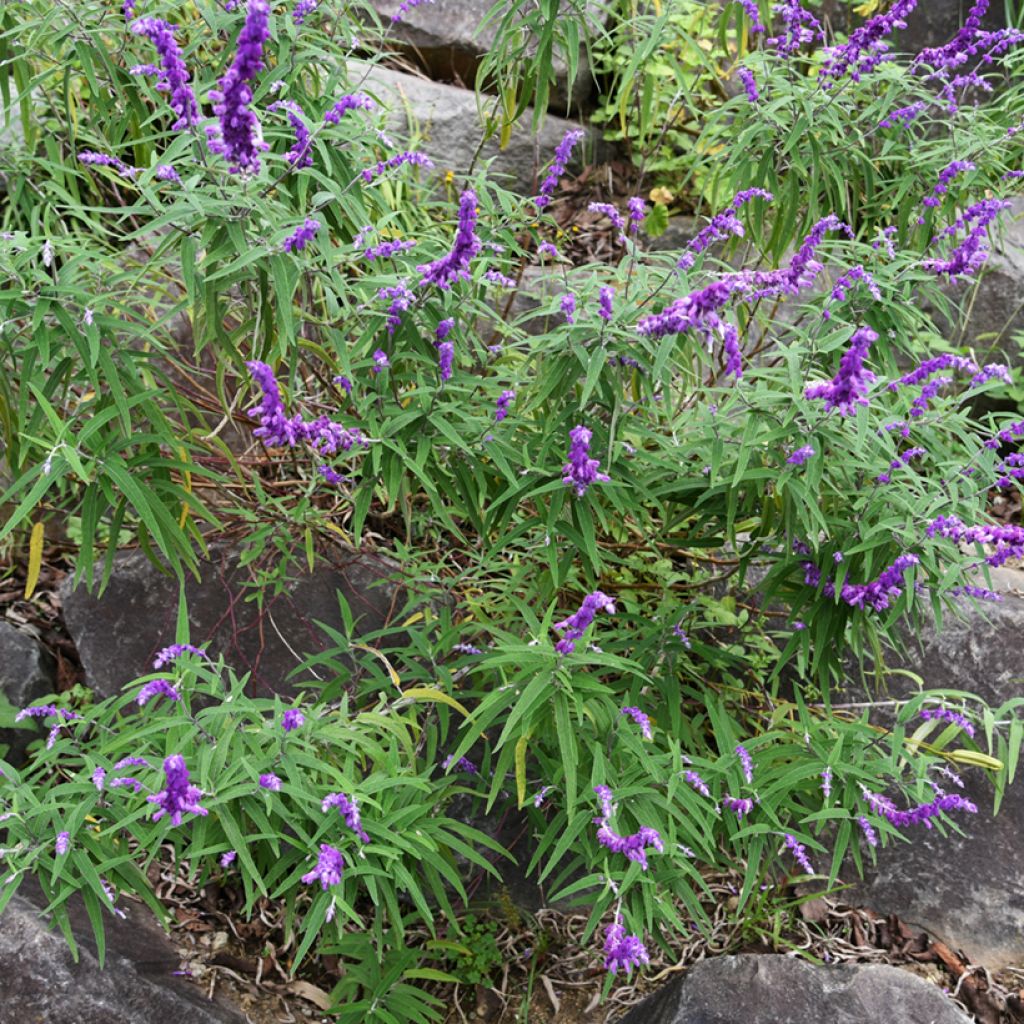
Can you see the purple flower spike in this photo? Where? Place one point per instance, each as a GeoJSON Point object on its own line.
{"type": "Point", "coordinates": [557, 168]}
{"type": "Point", "coordinates": [581, 471]}
{"type": "Point", "coordinates": [746, 76]}
{"type": "Point", "coordinates": [463, 764]}
{"type": "Point", "coordinates": [505, 399]}
{"type": "Point", "coordinates": [63, 843]}
{"type": "Point", "coordinates": [799, 853]}
{"type": "Point", "coordinates": [348, 807]}
{"type": "Point", "coordinates": [869, 833]}
{"type": "Point", "coordinates": [228, 858]}
{"type": "Point", "coordinates": [849, 387]}
{"type": "Point", "coordinates": [175, 651]}
{"type": "Point", "coordinates": [697, 782]}
{"type": "Point", "coordinates": [577, 624]}
{"type": "Point", "coordinates": [641, 719]}
{"type": "Point", "coordinates": [405, 7]}
{"type": "Point", "coordinates": [738, 805]}
{"type": "Point", "coordinates": [270, 781]}
{"type": "Point", "coordinates": [454, 266]}
{"type": "Point", "coordinates": [747, 762]}
{"type": "Point", "coordinates": [303, 9]}
{"type": "Point", "coordinates": [622, 951]}
{"type": "Point", "coordinates": [800, 456]}
{"type": "Point", "coordinates": [633, 846]}
{"type": "Point", "coordinates": [380, 361]}
{"type": "Point", "coordinates": [293, 719]}
{"type": "Point", "coordinates": [352, 101]}
{"type": "Point", "coordinates": [948, 715]}
{"type": "Point", "coordinates": [826, 782]}
{"type": "Point", "coordinates": [302, 236]}
{"type": "Point", "coordinates": [329, 868]}
{"type": "Point", "coordinates": [105, 160]}
{"type": "Point", "coordinates": [445, 360]}
{"type": "Point", "coordinates": [174, 74]}
{"type": "Point", "coordinates": [98, 777]}
{"type": "Point", "coordinates": [239, 139]}
{"type": "Point", "coordinates": [179, 796]}
{"type": "Point", "coordinates": [299, 155]}
{"type": "Point", "coordinates": [156, 688]}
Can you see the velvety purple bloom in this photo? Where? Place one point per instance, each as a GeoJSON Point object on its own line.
{"type": "Point", "coordinates": [992, 371]}
{"type": "Point", "coordinates": [849, 387]}
{"type": "Point", "coordinates": [466, 649]}
{"type": "Point", "coordinates": [127, 781]}
{"type": "Point", "coordinates": [637, 209]}
{"type": "Point", "coordinates": [622, 951]}
{"type": "Point", "coordinates": [463, 764]}
{"type": "Point", "coordinates": [902, 116]}
{"type": "Point", "coordinates": [43, 711]}
{"type": "Point", "coordinates": [302, 9]}
{"type": "Point", "coordinates": [352, 101]}
{"type": "Point", "coordinates": [302, 236]}
{"type": "Point", "coordinates": [131, 762]}
{"type": "Point", "coordinates": [609, 211]}
{"type": "Point", "coordinates": [165, 172]}
{"type": "Point", "coordinates": [105, 160]}
{"type": "Point", "coordinates": [239, 139]}
{"type": "Point", "coordinates": [1008, 540]}
{"type": "Point", "coordinates": [380, 361]}
{"type": "Point", "coordinates": [746, 76]}
{"type": "Point", "coordinates": [62, 844]}
{"type": "Point", "coordinates": [401, 299]}
{"type": "Point", "coordinates": [293, 719]}
{"type": "Point", "coordinates": [801, 455]}
{"type": "Point", "coordinates": [270, 781]}
{"type": "Point", "coordinates": [801, 27]}
{"type": "Point", "coordinates": [98, 776]}
{"type": "Point", "coordinates": [405, 7]}
{"type": "Point", "coordinates": [633, 846]}
{"type": "Point", "coordinates": [581, 470]}
{"type": "Point", "coordinates": [179, 796]}
{"type": "Point", "coordinates": [866, 47]}
{"type": "Point", "coordinates": [845, 283]}
{"type": "Point", "coordinates": [174, 74]}
{"type": "Point", "coordinates": [228, 858]}
{"type": "Point", "coordinates": [747, 763]}
{"type": "Point", "coordinates": [605, 299]}
{"type": "Point", "coordinates": [900, 461]}
{"type": "Point", "coordinates": [329, 868]}
{"type": "Point", "coordinates": [454, 266]}
{"type": "Point", "coordinates": [969, 254]}
{"type": "Point", "coordinates": [680, 633]}
{"type": "Point", "coordinates": [344, 383]}
{"type": "Point", "coordinates": [128, 9]}
{"type": "Point", "coordinates": [754, 14]}
{"type": "Point", "coordinates": [799, 853]}
{"type": "Point", "coordinates": [505, 399]}
{"type": "Point", "coordinates": [697, 783]}
{"type": "Point", "coordinates": [547, 249]}
{"type": "Point", "coordinates": [540, 796]}
{"type": "Point", "coordinates": [929, 367]}
{"type": "Point", "coordinates": [721, 226]}
{"type": "Point", "coordinates": [385, 250]}
{"type": "Point", "coordinates": [562, 154]}
{"type": "Point", "coordinates": [923, 813]}
{"type": "Point", "coordinates": [300, 154]}
{"type": "Point", "coordinates": [607, 801]}
{"type": "Point", "coordinates": [738, 805]}
{"type": "Point", "coordinates": [949, 715]}
{"type": "Point", "coordinates": [878, 594]}
{"type": "Point", "coordinates": [173, 652]}
{"type": "Point", "coordinates": [567, 304]}
{"type": "Point", "coordinates": [826, 782]}
{"type": "Point", "coordinates": [961, 46]}
{"type": "Point", "coordinates": [946, 175]}
{"type": "Point", "coordinates": [156, 688]}
{"type": "Point", "coordinates": [445, 359]}
{"type": "Point", "coordinates": [641, 719]}
{"type": "Point", "coordinates": [577, 624]}
{"type": "Point", "coordinates": [869, 832]}
{"type": "Point", "coordinates": [348, 807]}
{"type": "Point", "coordinates": [408, 157]}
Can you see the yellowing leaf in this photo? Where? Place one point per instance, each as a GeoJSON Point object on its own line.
{"type": "Point", "coordinates": [334, 527]}
{"type": "Point", "coordinates": [521, 746]}
{"type": "Point", "coordinates": [867, 9]}
{"type": "Point", "coordinates": [973, 757]}
{"type": "Point", "coordinates": [377, 654]}
{"type": "Point", "coordinates": [429, 694]}
{"type": "Point", "coordinates": [35, 559]}
{"type": "Point", "coordinates": [413, 619]}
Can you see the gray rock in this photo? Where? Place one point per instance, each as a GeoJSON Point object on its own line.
{"type": "Point", "coordinates": [967, 889]}
{"type": "Point", "coordinates": [448, 40]}
{"type": "Point", "coordinates": [27, 673]}
{"type": "Point", "coordinates": [766, 989]}
{"type": "Point", "coordinates": [41, 984]}
{"type": "Point", "coordinates": [448, 123]}
{"type": "Point", "coordinates": [118, 633]}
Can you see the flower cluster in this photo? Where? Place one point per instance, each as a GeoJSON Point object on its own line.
{"type": "Point", "coordinates": [641, 719]}
{"type": "Point", "coordinates": [299, 155]}
{"type": "Point", "coordinates": [105, 160]}
{"type": "Point", "coordinates": [410, 157]}
{"type": "Point", "coordinates": [622, 951]}
{"type": "Point", "coordinates": [562, 154]}
{"type": "Point", "coordinates": [454, 266]}
{"type": "Point", "coordinates": [633, 846]}
{"type": "Point", "coordinates": [849, 387]}
{"type": "Point", "coordinates": [174, 75]}
{"type": "Point", "coordinates": [348, 807]}
{"type": "Point", "coordinates": [301, 236]}
{"type": "Point", "coordinates": [581, 470]}
{"type": "Point", "coordinates": [577, 624]}
{"type": "Point", "coordinates": [949, 715]}
{"type": "Point", "coordinates": [329, 867]}
{"type": "Point", "coordinates": [178, 796]}
{"type": "Point", "coordinates": [351, 101]}
{"type": "Point", "coordinates": [866, 47]}
{"type": "Point", "coordinates": [920, 815]}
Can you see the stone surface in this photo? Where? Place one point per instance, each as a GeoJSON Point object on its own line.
{"type": "Point", "coordinates": [968, 890]}
{"type": "Point", "coordinates": [783, 990]}
{"type": "Point", "coordinates": [41, 984]}
{"type": "Point", "coordinates": [118, 634]}
{"type": "Point", "coordinates": [448, 124]}
{"type": "Point", "coordinates": [27, 674]}
{"type": "Point", "coordinates": [448, 39]}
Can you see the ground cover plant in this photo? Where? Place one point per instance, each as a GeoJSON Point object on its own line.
{"type": "Point", "coordinates": [232, 302]}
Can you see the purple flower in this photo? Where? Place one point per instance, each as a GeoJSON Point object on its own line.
{"type": "Point", "coordinates": [408, 157]}
{"type": "Point", "coordinates": [62, 844]}
{"type": "Point", "coordinates": [385, 250]}
{"type": "Point", "coordinates": [405, 7]}
{"type": "Point", "coordinates": [754, 14]}
{"type": "Point", "coordinates": [799, 853]}
{"type": "Point", "coordinates": [293, 719]}
{"type": "Point", "coordinates": [800, 455]}
{"type": "Point", "coordinates": [577, 624]}
{"type": "Point", "coordinates": [637, 212]}
{"type": "Point", "coordinates": [165, 172]}
{"type": "Point", "coordinates": [505, 399]}
{"type": "Point", "coordinates": [946, 175]}
{"type": "Point", "coordinates": [697, 783]}
{"type": "Point", "coordinates": [747, 763]}
{"type": "Point", "coordinates": [680, 634]}
{"type": "Point", "coordinates": [445, 358]}
{"type": "Point", "coordinates": [721, 226]}
{"type": "Point", "coordinates": [869, 833]}
{"type": "Point", "coordinates": [156, 688]}
{"type": "Point", "coordinates": [463, 764]}
{"type": "Point", "coordinates": [299, 155]}
{"type": "Point", "coordinates": [302, 236]}
{"type": "Point", "coordinates": [401, 299]}
{"type": "Point", "coordinates": [849, 387]}
{"type": "Point", "coordinates": [622, 951]}
{"type": "Point", "coordinates": [104, 160]}
{"type": "Point", "coordinates": [826, 782]}
{"type": "Point", "coordinates": [135, 785]}
{"type": "Point", "coordinates": [738, 805]}
{"type": "Point", "coordinates": [352, 101]}
{"type": "Point", "coordinates": [613, 215]}
{"type": "Point", "coordinates": [302, 9]}
{"type": "Point", "coordinates": [633, 846]}
{"type": "Point", "coordinates": [921, 814]}
{"type": "Point", "coordinates": [567, 304]}
{"type": "Point", "coordinates": [606, 297]}
{"type": "Point", "coordinates": [329, 867]}
{"type": "Point", "coordinates": [968, 255]}
{"type": "Point", "coordinates": [227, 859]}
{"type": "Point", "coordinates": [866, 47]}
{"type": "Point", "coordinates": [175, 651]}
{"type": "Point", "coordinates": [345, 384]}
{"type": "Point", "coordinates": [581, 471]}
{"type": "Point", "coordinates": [540, 796]}
{"type": "Point", "coordinates": [380, 361]}
{"type": "Point", "coordinates": [179, 796]}
{"type": "Point", "coordinates": [348, 807]}
{"type": "Point", "coordinates": [746, 76]}
{"type": "Point", "coordinates": [500, 279]}
{"type": "Point", "coordinates": [902, 116]}
{"type": "Point", "coordinates": [641, 719]}
{"type": "Point", "coordinates": [270, 781]}
{"type": "Point", "coordinates": [98, 777]}
{"type": "Point", "coordinates": [454, 266]}
{"type": "Point", "coordinates": [547, 249]}
{"type": "Point", "coordinates": [131, 762]}
{"type": "Point", "coordinates": [174, 74]}
{"type": "Point", "coordinates": [948, 715]}
{"type": "Point", "coordinates": [1007, 540]}
{"type": "Point", "coordinates": [801, 27]}
{"type": "Point", "coordinates": [444, 328]}
{"type": "Point", "coordinates": [562, 154]}
{"type": "Point", "coordinates": [239, 139]}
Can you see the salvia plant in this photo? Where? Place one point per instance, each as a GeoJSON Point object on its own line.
{"type": "Point", "coordinates": [647, 528]}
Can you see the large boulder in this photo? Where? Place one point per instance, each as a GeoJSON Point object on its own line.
{"type": "Point", "coordinates": [766, 989]}
{"type": "Point", "coordinates": [27, 674]}
{"type": "Point", "coordinates": [118, 632]}
{"type": "Point", "coordinates": [449, 39]}
{"type": "Point", "coordinates": [448, 125]}
{"type": "Point", "coordinates": [40, 983]}
{"type": "Point", "coordinates": [967, 889]}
